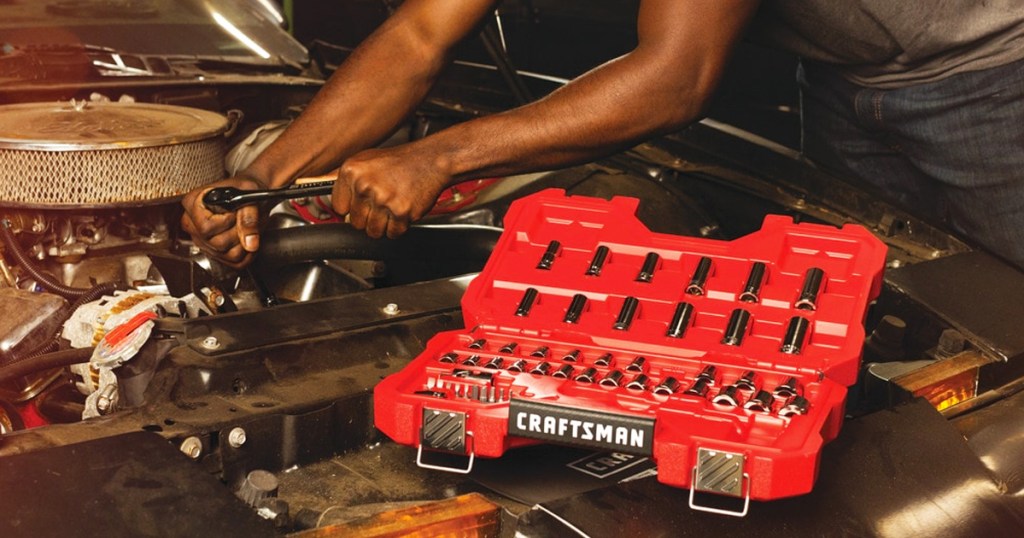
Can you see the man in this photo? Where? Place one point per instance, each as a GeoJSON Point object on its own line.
{"type": "Point", "coordinates": [924, 99]}
{"type": "Point", "coordinates": [659, 87]}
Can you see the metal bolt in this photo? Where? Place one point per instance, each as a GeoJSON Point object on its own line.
{"type": "Point", "coordinates": [236, 437]}
{"type": "Point", "coordinates": [708, 230]}
{"type": "Point", "coordinates": [218, 300]}
{"type": "Point", "coordinates": [211, 342]}
{"type": "Point", "coordinates": [391, 309]}
{"type": "Point", "coordinates": [192, 447]}
{"type": "Point", "coordinates": [193, 250]}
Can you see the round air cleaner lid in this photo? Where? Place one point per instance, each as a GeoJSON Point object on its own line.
{"type": "Point", "coordinates": [86, 154]}
{"type": "Point", "coordinates": [81, 126]}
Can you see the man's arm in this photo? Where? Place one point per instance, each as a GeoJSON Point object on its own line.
{"type": "Point", "coordinates": [377, 87]}
{"type": "Point", "coordinates": [373, 90]}
{"type": "Point", "coordinates": [660, 86]}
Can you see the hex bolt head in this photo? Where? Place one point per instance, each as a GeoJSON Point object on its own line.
{"type": "Point", "coordinates": [211, 342]}
{"type": "Point", "coordinates": [236, 437]}
{"type": "Point", "coordinates": [192, 447]}
{"type": "Point", "coordinates": [391, 309]}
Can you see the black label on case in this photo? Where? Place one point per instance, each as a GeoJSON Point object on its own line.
{"type": "Point", "coordinates": [581, 427]}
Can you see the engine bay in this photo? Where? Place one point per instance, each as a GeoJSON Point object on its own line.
{"type": "Point", "coordinates": [114, 322]}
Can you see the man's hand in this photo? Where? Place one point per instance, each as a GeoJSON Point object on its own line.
{"type": "Point", "coordinates": [383, 190]}
{"type": "Point", "coordinates": [231, 238]}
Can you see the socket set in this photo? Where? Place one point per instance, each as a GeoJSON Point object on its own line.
{"type": "Point", "coordinates": [726, 362]}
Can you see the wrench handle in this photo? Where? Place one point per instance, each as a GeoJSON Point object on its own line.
{"type": "Point", "coordinates": [226, 199]}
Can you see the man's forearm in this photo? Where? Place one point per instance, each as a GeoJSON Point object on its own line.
{"type": "Point", "coordinates": [356, 109]}
{"type": "Point", "coordinates": [608, 110]}
{"type": "Point", "coordinates": [661, 86]}
{"type": "Point", "coordinates": [371, 92]}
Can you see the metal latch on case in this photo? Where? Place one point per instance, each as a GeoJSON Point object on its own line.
{"type": "Point", "coordinates": [720, 473]}
{"type": "Point", "coordinates": [445, 431]}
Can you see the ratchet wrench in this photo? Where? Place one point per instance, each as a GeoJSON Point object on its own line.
{"type": "Point", "coordinates": [224, 199]}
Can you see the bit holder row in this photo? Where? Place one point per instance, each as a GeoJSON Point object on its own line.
{"type": "Point", "coordinates": [748, 390]}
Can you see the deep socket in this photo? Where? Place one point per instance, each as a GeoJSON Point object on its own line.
{"type": "Point", "coordinates": [752, 289]}
{"type": "Point", "coordinates": [572, 314]}
{"type": "Point", "coordinates": [795, 335]}
{"type": "Point", "coordinates": [526, 303]}
{"type": "Point", "coordinates": [813, 279]}
{"type": "Point", "coordinates": [548, 259]}
{"type": "Point", "coordinates": [680, 320]}
{"type": "Point", "coordinates": [597, 263]}
{"type": "Point", "coordinates": [737, 328]}
{"type": "Point", "coordinates": [625, 319]}
{"type": "Point", "coordinates": [646, 273]}
{"type": "Point", "coordinates": [700, 277]}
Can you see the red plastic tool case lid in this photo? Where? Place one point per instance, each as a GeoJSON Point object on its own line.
{"type": "Point", "coordinates": [725, 361]}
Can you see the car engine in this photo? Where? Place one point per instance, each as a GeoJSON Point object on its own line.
{"type": "Point", "coordinates": [89, 188]}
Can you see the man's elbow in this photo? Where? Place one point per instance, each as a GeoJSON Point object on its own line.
{"type": "Point", "coordinates": [679, 92]}
{"type": "Point", "coordinates": [682, 107]}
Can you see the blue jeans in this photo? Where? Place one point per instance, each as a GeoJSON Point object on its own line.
{"type": "Point", "coordinates": [951, 151]}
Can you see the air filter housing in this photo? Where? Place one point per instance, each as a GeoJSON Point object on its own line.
{"type": "Point", "coordinates": [95, 154]}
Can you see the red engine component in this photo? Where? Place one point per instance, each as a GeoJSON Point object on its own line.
{"type": "Point", "coordinates": [726, 362]}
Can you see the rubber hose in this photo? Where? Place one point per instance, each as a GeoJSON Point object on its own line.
{"type": "Point", "coordinates": [288, 246]}
{"type": "Point", "coordinates": [46, 361]}
{"type": "Point", "coordinates": [26, 263]}
{"type": "Point", "coordinates": [63, 314]}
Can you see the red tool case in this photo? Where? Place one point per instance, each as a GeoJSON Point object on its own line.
{"type": "Point", "coordinates": [727, 362]}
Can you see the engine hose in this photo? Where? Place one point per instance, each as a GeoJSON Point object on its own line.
{"type": "Point", "coordinates": [26, 263]}
{"type": "Point", "coordinates": [46, 361]}
{"type": "Point", "coordinates": [286, 246]}
{"type": "Point", "coordinates": [63, 315]}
